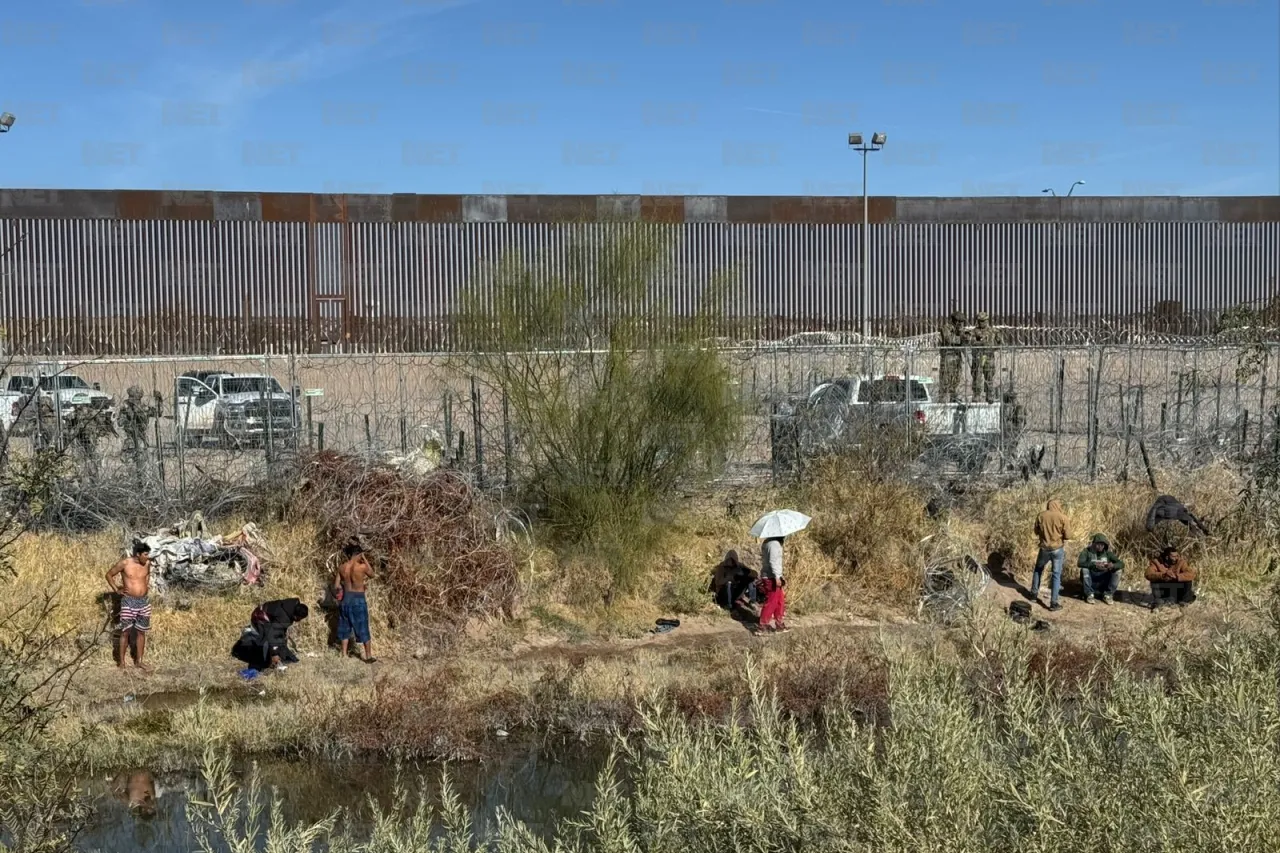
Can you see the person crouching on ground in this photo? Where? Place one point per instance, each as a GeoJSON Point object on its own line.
{"type": "Point", "coordinates": [1172, 580]}
{"type": "Point", "coordinates": [279, 617]}
{"type": "Point", "coordinates": [1100, 569]}
{"type": "Point", "coordinates": [349, 588]}
{"type": "Point", "coordinates": [1053, 531]}
{"type": "Point", "coordinates": [731, 583]}
{"type": "Point", "coordinates": [134, 573]}
{"type": "Point", "coordinates": [772, 584]}
{"type": "Point", "coordinates": [266, 642]}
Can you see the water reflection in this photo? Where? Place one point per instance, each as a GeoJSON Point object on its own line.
{"type": "Point", "coordinates": [145, 812]}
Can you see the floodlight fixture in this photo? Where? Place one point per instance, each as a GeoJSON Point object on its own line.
{"type": "Point", "coordinates": [6, 122]}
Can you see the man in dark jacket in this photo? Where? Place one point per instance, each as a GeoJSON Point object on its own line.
{"type": "Point", "coordinates": [1100, 569]}
{"type": "Point", "coordinates": [732, 583]}
{"type": "Point", "coordinates": [1169, 508]}
{"type": "Point", "coordinates": [266, 642]}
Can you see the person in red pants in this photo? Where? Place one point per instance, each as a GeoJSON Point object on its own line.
{"type": "Point", "coordinates": [772, 586]}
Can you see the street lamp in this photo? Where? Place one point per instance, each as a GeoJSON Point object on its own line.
{"type": "Point", "coordinates": [855, 142]}
{"type": "Point", "coordinates": [1069, 192]}
{"type": "Point", "coordinates": [6, 122]}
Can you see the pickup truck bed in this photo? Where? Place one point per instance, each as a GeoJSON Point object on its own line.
{"type": "Point", "coordinates": [837, 411]}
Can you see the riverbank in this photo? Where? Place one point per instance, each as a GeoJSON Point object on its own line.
{"type": "Point", "coordinates": [573, 662]}
{"type": "Point", "coordinates": [472, 701]}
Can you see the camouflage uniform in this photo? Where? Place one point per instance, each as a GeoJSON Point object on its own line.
{"type": "Point", "coordinates": [1014, 418]}
{"type": "Point", "coordinates": [46, 422]}
{"type": "Point", "coordinates": [86, 426]}
{"type": "Point", "coordinates": [951, 350]}
{"type": "Point", "coordinates": [135, 418]}
{"type": "Point", "coordinates": [984, 340]}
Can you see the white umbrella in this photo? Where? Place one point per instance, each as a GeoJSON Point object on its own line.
{"type": "Point", "coordinates": [780, 522]}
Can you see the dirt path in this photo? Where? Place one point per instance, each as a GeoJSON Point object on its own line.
{"type": "Point", "coordinates": [693, 632]}
{"type": "Point", "coordinates": [175, 685]}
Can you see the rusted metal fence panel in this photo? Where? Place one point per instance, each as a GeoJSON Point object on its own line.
{"type": "Point", "coordinates": [174, 287]}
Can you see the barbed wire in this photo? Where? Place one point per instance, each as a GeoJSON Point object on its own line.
{"type": "Point", "coordinates": [1089, 410]}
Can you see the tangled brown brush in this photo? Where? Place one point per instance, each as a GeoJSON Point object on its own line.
{"type": "Point", "coordinates": [433, 535]}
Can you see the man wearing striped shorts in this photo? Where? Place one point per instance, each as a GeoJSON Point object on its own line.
{"type": "Point", "coordinates": [131, 580]}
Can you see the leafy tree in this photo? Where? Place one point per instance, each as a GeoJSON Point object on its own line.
{"type": "Point", "coordinates": [617, 403]}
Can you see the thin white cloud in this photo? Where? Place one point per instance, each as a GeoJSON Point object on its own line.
{"type": "Point", "coordinates": [302, 52]}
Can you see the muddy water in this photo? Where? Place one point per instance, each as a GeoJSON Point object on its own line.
{"type": "Point", "coordinates": [535, 786]}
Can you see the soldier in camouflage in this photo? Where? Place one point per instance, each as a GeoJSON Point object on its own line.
{"type": "Point", "coordinates": [86, 426]}
{"type": "Point", "coordinates": [1013, 422]}
{"type": "Point", "coordinates": [135, 419]}
{"type": "Point", "coordinates": [984, 339]}
{"type": "Point", "coordinates": [951, 349]}
{"type": "Point", "coordinates": [47, 427]}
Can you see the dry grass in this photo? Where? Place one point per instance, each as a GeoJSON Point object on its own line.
{"type": "Point", "coordinates": [861, 556]}
{"type": "Point", "coordinates": [1003, 525]}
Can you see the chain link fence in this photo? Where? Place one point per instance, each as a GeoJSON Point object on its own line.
{"type": "Point", "coordinates": [1086, 411]}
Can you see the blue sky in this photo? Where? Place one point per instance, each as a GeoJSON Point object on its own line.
{"type": "Point", "coordinates": [986, 97]}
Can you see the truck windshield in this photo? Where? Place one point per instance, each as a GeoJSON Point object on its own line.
{"type": "Point", "coordinates": [250, 385]}
{"type": "Point", "coordinates": [891, 391]}
{"type": "Point", "coordinates": [62, 382]}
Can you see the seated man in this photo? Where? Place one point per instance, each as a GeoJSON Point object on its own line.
{"type": "Point", "coordinates": [1172, 580]}
{"type": "Point", "coordinates": [1100, 569]}
{"type": "Point", "coordinates": [732, 583]}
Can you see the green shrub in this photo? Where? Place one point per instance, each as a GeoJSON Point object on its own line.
{"type": "Point", "coordinates": [980, 754]}
{"type": "Point", "coordinates": [616, 406]}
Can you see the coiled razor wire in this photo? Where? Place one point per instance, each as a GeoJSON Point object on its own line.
{"type": "Point", "coordinates": [953, 580]}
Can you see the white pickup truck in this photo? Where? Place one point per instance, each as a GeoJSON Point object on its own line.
{"type": "Point", "coordinates": [235, 409]}
{"type": "Point", "coordinates": [66, 391]}
{"type": "Point", "coordinates": [834, 413]}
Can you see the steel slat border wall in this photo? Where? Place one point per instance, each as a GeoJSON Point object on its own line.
{"type": "Point", "coordinates": [179, 287]}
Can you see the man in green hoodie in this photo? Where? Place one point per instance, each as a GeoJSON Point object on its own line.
{"type": "Point", "coordinates": [1100, 569]}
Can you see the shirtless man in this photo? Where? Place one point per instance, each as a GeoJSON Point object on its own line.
{"type": "Point", "coordinates": [138, 791]}
{"type": "Point", "coordinates": [349, 587]}
{"type": "Point", "coordinates": [131, 580]}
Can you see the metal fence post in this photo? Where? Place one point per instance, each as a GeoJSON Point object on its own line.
{"type": "Point", "coordinates": [478, 437]}
{"type": "Point", "coordinates": [267, 397]}
{"type": "Point", "coordinates": [404, 407]}
{"type": "Point", "coordinates": [1091, 427]}
{"type": "Point", "coordinates": [1195, 393]}
{"type": "Point", "coordinates": [506, 440]}
{"type": "Point", "coordinates": [1062, 393]}
{"type": "Point", "coordinates": [155, 383]}
{"type": "Point", "coordinates": [1126, 426]}
{"type": "Point", "coordinates": [447, 405]}
{"type": "Point", "coordinates": [1262, 397]}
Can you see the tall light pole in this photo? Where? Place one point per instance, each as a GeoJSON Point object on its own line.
{"type": "Point", "coordinates": [6, 122]}
{"type": "Point", "coordinates": [855, 142]}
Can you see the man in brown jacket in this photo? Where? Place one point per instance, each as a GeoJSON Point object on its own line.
{"type": "Point", "coordinates": [1053, 530]}
{"type": "Point", "coordinates": [1172, 580]}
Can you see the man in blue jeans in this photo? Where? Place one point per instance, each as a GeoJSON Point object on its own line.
{"type": "Point", "coordinates": [1100, 569]}
{"type": "Point", "coordinates": [349, 587]}
{"type": "Point", "coordinates": [1052, 530]}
